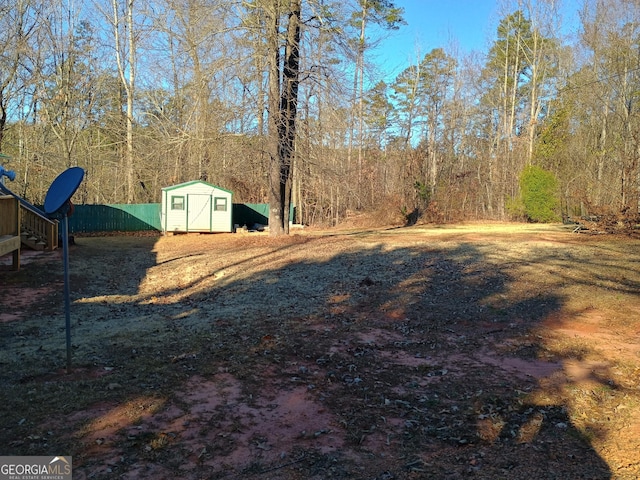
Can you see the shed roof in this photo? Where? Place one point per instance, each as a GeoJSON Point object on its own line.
{"type": "Point", "coordinates": [195, 182]}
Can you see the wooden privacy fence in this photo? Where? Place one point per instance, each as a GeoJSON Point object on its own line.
{"type": "Point", "coordinates": [146, 216]}
{"type": "Point", "coordinates": [115, 218]}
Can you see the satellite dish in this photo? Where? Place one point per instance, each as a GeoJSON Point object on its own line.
{"type": "Point", "coordinates": [62, 189]}
{"type": "Point", "coordinates": [58, 200]}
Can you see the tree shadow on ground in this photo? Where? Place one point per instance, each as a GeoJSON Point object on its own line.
{"type": "Point", "coordinates": [422, 362]}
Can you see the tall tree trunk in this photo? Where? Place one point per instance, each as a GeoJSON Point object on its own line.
{"type": "Point", "coordinates": [360, 92]}
{"type": "Point", "coordinates": [130, 96]}
{"type": "Point", "coordinates": [126, 73]}
{"type": "Point", "coordinates": [273, 47]}
{"type": "Point", "coordinates": [285, 122]}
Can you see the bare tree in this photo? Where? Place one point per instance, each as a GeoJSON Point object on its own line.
{"type": "Point", "coordinates": [18, 21]}
{"type": "Point", "coordinates": [122, 25]}
{"type": "Point", "coordinates": [66, 78]}
{"type": "Point", "coordinates": [385, 14]}
{"type": "Point", "coordinates": [284, 80]}
{"type": "Point", "coordinates": [607, 93]}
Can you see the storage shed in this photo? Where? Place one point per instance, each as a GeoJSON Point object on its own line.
{"type": "Point", "coordinates": [196, 206]}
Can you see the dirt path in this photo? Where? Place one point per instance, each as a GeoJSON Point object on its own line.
{"type": "Point", "coordinates": [477, 351]}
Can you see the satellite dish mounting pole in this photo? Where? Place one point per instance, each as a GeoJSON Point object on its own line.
{"type": "Point", "coordinates": [67, 301]}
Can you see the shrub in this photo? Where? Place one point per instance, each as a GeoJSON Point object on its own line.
{"type": "Point", "coordinates": [539, 194]}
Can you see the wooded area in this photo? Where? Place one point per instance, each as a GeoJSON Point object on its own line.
{"type": "Point", "coordinates": [277, 101]}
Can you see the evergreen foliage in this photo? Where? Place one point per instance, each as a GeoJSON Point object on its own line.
{"type": "Point", "coordinates": [538, 195]}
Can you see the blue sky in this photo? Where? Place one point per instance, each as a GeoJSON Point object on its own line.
{"type": "Point", "coordinates": [469, 25]}
{"type": "Point", "coordinates": [436, 23]}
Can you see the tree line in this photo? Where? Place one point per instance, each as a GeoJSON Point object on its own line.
{"type": "Point", "coordinates": [280, 102]}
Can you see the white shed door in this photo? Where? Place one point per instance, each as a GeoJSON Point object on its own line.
{"type": "Point", "coordinates": [198, 212]}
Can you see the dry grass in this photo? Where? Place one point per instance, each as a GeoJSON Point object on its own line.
{"type": "Point", "coordinates": [491, 351]}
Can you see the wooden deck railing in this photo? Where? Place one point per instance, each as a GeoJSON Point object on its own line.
{"type": "Point", "coordinates": [37, 226]}
{"type": "Point", "coordinates": [37, 231]}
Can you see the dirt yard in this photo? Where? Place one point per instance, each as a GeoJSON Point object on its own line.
{"type": "Point", "coordinates": [470, 351]}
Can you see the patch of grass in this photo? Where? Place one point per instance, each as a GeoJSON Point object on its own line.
{"type": "Point", "coordinates": [570, 349]}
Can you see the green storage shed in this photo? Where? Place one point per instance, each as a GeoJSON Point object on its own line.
{"type": "Point", "coordinates": [196, 206]}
